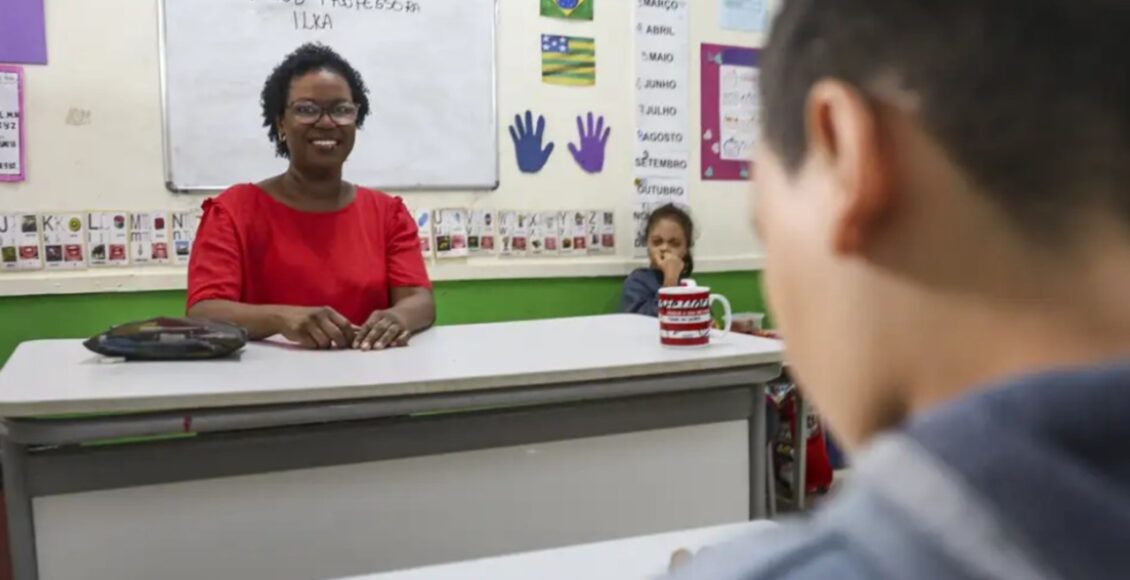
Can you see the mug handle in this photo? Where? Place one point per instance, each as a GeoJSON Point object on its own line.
{"type": "Point", "coordinates": [729, 318]}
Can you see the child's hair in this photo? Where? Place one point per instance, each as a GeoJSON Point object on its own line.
{"type": "Point", "coordinates": [681, 217]}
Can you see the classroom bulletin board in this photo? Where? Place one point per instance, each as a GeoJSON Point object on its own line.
{"type": "Point", "coordinates": [93, 119]}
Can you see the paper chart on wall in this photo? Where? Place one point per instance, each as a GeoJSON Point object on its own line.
{"type": "Point", "coordinates": [184, 226]}
{"type": "Point", "coordinates": [423, 219]}
{"type": "Point", "coordinates": [662, 65]}
{"type": "Point", "coordinates": [545, 233]}
{"type": "Point", "coordinates": [603, 232]}
{"type": "Point", "coordinates": [731, 111]}
{"type": "Point", "coordinates": [149, 238]}
{"type": "Point", "coordinates": [450, 227]}
{"type": "Point", "coordinates": [662, 159]}
{"type": "Point", "coordinates": [651, 193]}
{"type": "Point", "coordinates": [640, 213]}
{"type": "Point", "coordinates": [64, 241]}
{"type": "Point", "coordinates": [513, 233]}
{"type": "Point", "coordinates": [12, 124]}
{"type": "Point", "coordinates": [575, 230]}
{"type": "Point", "coordinates": [107, 238]}
{"type": "Point", "coordinates": [19, 242]}
{"type": "Point", "coordinates": [743, 15]}
{"type": "Point", "coordinates": [482, 237]}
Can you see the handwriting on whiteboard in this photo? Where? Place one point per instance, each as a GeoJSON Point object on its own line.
{"type": "Point", "coordinates": [320, 14]}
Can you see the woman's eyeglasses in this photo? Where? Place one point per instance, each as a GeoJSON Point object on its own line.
{"type": "Point", "coordinates": [309, 113]}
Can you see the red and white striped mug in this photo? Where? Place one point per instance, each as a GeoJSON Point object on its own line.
{"type": "Point", "coordinates": [684, 316]}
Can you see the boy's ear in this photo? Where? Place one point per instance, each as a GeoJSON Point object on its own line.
{"type": "Point", "coordinates": [845, 133]}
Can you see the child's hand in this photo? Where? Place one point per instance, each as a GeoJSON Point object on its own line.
{"type": "Point", "coordinates": [672, 267]}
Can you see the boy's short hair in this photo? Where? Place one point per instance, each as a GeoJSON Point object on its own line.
{"type": "Point", "coordinates": [1031, 98]}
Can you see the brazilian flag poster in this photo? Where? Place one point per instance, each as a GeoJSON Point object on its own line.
{"type": "Point", "coordinates": [567, 9]}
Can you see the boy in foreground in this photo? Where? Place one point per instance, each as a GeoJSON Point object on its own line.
{"type": "Point", "coordinates": [944, 200]}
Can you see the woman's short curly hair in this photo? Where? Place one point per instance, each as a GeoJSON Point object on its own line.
{"type": "Point", "coordinates": [306, 59]}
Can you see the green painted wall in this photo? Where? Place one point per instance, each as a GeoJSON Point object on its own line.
{"type": "Point", "coordinates": [35, 317]}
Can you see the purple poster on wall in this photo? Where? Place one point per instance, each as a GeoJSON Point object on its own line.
{"type": "Point", "coordinates": [23, 39]}
{"type": "Point", "coordinates": [731, 111]}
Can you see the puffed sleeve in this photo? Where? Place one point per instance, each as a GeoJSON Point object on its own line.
{"type": "Point", "coordinates": [215, 269]}
{"type": "Point", "coordinates": [404, 258]}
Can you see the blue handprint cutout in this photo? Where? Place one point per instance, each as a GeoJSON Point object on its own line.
{"type": "Point", "coordinates": [528, 143]}
{"type": "Point", "coordinates": [590, 155]}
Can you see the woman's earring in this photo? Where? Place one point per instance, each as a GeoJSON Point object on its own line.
{"type": "Point", "coordinates": [282, 137]}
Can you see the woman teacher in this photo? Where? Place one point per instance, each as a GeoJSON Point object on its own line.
{"type": "Point", "coordinates": [304, 254]}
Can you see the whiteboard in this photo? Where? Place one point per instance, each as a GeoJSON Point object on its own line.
{"type": "Point", "coordinates": [429, 66]}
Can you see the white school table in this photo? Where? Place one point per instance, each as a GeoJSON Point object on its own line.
{"type": "Point", "coordinates": [474, 441]}
{"type": "Point", "coordinates": [639, 558]}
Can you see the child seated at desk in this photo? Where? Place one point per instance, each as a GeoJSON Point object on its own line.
{"type": "Point", "coordinates": [670, 238]}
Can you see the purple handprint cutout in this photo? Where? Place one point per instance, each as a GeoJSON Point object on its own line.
{"type": "Point", "coordinates": [528, 143]}
{"type": "Point", "coordinates": [590, 155]}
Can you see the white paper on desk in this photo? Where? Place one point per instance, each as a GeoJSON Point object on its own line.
{"type": "Point", "coordinates": [744, 15]}
{"type": "Point", "coordinates": [19, 242]}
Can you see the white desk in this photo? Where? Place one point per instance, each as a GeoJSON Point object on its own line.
{"type": "Point", "coordinates": [640, 558]}
{"type": "Point", "coordinates": [480, 440]}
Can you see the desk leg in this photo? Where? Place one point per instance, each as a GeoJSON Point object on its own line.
{"type": "Point", "coordinates": [758, 457]}
{"type": "Point", "coordinates": [800, 451]}
{"type": "Point", "coordinates": [21, 528]}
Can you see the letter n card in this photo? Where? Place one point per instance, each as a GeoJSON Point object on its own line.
{"type": "Point", "coordinates": [184, 225]}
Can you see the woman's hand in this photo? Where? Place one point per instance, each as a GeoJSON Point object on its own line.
{"type": "Point", "coordinates": [317, 328]}
{"type": "Point", "coordinates": [383, 329]}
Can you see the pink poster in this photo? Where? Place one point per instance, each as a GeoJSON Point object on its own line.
{"type": "Point", "coordinates": [731, 111]}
